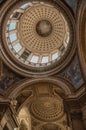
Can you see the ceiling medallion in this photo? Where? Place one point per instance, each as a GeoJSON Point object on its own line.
{"type": "Point", "coordinates": [44, 28]}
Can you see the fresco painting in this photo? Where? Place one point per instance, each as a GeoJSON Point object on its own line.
{"type": "Point", "coordinates": [73, 73]}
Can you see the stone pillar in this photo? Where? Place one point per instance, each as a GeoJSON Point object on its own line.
{"type": "Point", "coordinates": [1, 128]}
{"type": "Point", "coordinates": [8, 120]}
{"type": "Point", "coordinates": [67, 111]}
{"type": "Point", "coordinates": [84, 115]}
{"type": "Point", "coordinates": [77, 122]}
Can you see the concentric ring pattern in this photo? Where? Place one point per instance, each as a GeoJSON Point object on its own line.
{"type": "Point", "coordinates": [37, 34]}
{"type": "Point", "coordinates": [46, 108]}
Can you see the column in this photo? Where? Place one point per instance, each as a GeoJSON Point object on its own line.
{"type": "Point", "coordinates": [84, 115]}
{"type": "Point", "coordinates": [77, 122]}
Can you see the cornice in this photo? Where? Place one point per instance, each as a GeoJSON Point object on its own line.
{"type": "Point", "coordinates": [81, 43]}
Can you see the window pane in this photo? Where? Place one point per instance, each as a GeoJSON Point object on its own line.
{"type": "Point", "coordinates": [26, 5]}
{"type": "Point", "coordinates": [12, 25]}
{"type": "Point", "coordinates": [68, 37]}
{"type": "Point", "coordinates": [45, 59]}
{"type": "Point", "coordinates": [25, 54]}
{"type": "Point", "coordinates": [17, 47]}
{"type": "Point", "coordinates": [34, 59]}
{"type": "Point", "coordinates": [13, 37]}
{"type": "Point", "coordinates": [16, 15]}
{"type": "Point", "coordinates": [54, 56]}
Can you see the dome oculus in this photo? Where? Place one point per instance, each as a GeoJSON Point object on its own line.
{"type": "Point", "coordinates": [44, 28]}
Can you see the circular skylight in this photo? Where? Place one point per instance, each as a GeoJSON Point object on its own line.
{"type": "Point", "coordinates": [37, 34]}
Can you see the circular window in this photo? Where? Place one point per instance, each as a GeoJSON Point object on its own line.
{"type": "Point", "coordinates": [37, 34]}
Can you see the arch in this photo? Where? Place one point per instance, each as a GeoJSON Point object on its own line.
{"type": "Point", "coordinates": [65, 86]}
{"type": "Point", "coordinates": [81, 32]}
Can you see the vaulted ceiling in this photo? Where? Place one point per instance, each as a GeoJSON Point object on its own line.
{"type": "Point", "coordinates": [49, 82]}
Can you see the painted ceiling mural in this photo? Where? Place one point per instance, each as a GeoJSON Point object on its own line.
{"type": "Point", "coordinates": [73, 73]}
{"type": "Point", "coordinates": [72, 4]}
{"type": "Point", "coordinates": [1, 1]}
{"type": "Point", "coordinates": [8, 78]}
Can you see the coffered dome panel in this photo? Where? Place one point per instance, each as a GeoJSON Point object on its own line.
{"type": "Point", "coordinates": [46, 108]}
{"type": "Point", "coordinates": [43, 29]}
